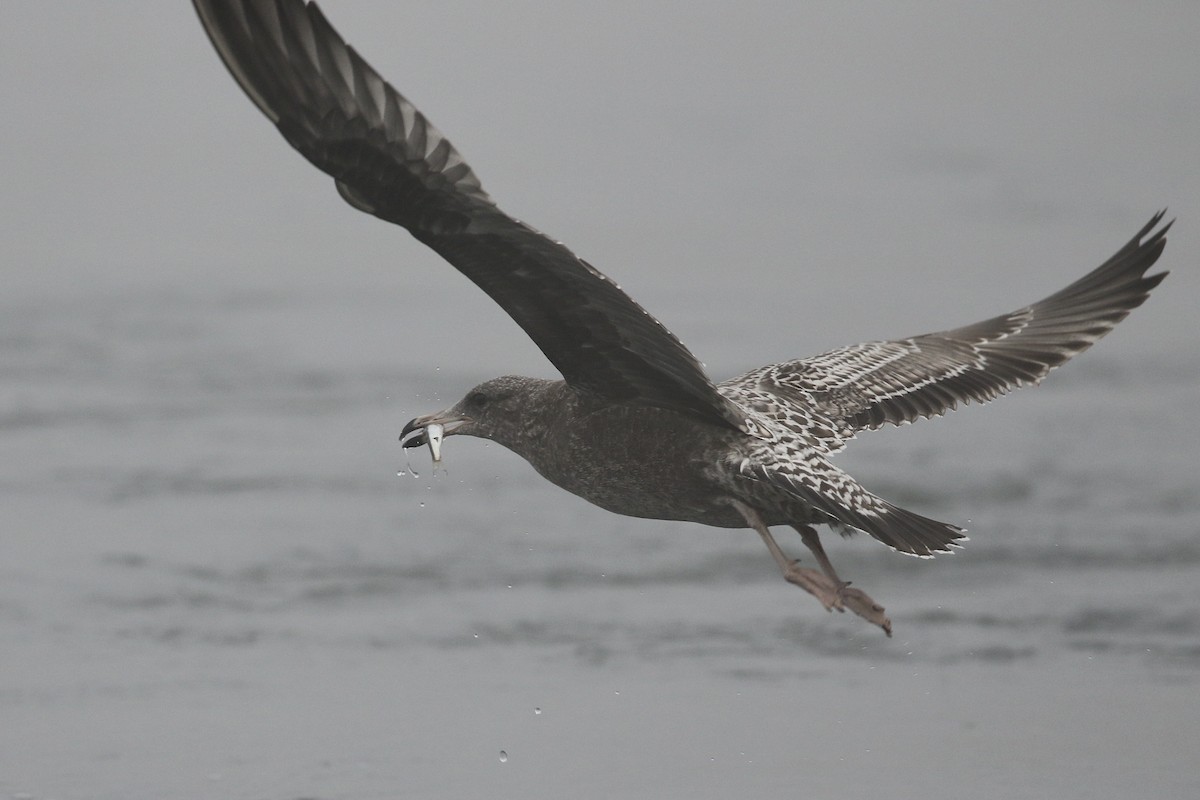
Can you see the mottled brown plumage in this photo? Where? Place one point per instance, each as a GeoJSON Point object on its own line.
{"type": "Point", "coordinates": [636, 426]}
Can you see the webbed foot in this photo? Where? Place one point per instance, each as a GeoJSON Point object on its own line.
{"type": "Point", "coordinates": [861, 603]}
{"type": "Point", "coordinates": [828, 593]}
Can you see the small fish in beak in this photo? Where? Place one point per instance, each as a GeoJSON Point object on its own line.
{"type": "Point", "coordinates": [433, 436]}
{"type": "Point", "coordinates": [430, 430]}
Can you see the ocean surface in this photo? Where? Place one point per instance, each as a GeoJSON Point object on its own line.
{"type": "Point", "coordinates": [221, 578]}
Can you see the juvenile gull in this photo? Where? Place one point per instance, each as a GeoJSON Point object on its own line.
{"type": "Point", "coordinates": [636, 426]}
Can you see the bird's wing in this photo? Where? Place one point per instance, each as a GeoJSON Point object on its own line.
{"type": "Point", "coordinates": [867, 385]}
{"type": "Point", "coordinates": [388, 160]}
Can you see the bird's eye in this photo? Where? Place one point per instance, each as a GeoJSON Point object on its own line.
{"type": "Point", "coordinates": [477, 399]}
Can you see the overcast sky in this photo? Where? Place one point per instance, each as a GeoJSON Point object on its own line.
{"type": "Point", "coordinates": [880, 169]}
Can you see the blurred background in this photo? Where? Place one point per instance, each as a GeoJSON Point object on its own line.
{"type": "Point", "coordinates": [218, 576]}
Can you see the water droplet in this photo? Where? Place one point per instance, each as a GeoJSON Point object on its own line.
{"type": "Point", "coordinates": [537, 711]}
{"type": "Point", "coordinates": [422, 504]}
{"type": "Point", "coordinates": [503, 756]}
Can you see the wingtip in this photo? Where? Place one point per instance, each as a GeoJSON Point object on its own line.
{"type": "Point", "coordinates": [1162, 212]}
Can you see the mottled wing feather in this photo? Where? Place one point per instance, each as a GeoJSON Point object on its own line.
{"type": "Point", "coordinates": [804, 473]}
{"type": "Point", "coordinates": [867, 385]}
{"type": "Point", "coordinates": [388, 160]}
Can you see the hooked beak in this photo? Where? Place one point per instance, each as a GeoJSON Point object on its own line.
{"type": "Point", "coordinates": [414, 433]}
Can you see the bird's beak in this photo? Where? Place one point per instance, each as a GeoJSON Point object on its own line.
{"type": "Point", "coordinates": [429, 430]}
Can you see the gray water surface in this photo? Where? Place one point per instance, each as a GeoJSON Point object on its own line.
{"type": "Point", "coordinates": [215, 583]}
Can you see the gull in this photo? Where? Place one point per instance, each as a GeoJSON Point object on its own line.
{"type": "Point", "coordinates": [636, 426]}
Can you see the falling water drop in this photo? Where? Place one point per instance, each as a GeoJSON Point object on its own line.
{"type": "Point", "coordinates": [537, 711]}
{"type": "Point", "coordinates": [503, 756]}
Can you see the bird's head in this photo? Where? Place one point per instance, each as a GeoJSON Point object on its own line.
{"type": "Point", "coordinates": [503, 410]}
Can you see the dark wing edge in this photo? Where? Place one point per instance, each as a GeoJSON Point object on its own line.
{"type": "Point", "coordinates": [322, 96]}
{"type": "Point", "coordinates": [389, 161]}
{"type": "Point", "coordinates": [899, 381]}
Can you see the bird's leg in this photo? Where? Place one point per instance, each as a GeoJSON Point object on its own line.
{"type": "Point", "coordinates": [856, 600]}
{"type": "Point", "coordinates": [811, 581]}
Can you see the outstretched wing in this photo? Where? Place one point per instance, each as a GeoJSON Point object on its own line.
{"type": "Point", "coordinates": [388, 160]}
{"type": "Point", "coordinates": [867, 385]}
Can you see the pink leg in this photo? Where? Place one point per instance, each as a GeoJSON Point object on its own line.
{"type": "Point", "coordinates": [826, 586]}
{"type": "Point", "coordinates": [856, 600]}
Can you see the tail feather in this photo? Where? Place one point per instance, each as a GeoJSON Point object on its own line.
{"type": "Point", "coordinates": [842, 499]}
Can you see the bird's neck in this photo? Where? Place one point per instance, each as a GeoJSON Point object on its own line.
{"type": "Point", "coordinates": [548, 407]}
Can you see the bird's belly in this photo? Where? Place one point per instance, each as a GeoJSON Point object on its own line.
{"type": "Point", "coordinates": [660, 497]}
{"type": "Point", "coordinates": [645, 471]}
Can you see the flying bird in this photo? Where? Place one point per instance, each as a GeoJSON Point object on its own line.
{"type": "Point", "coordinates": [636, 426]}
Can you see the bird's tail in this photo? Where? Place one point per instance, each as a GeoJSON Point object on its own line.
{"type": "Point", "coordinates": [850, 506]}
